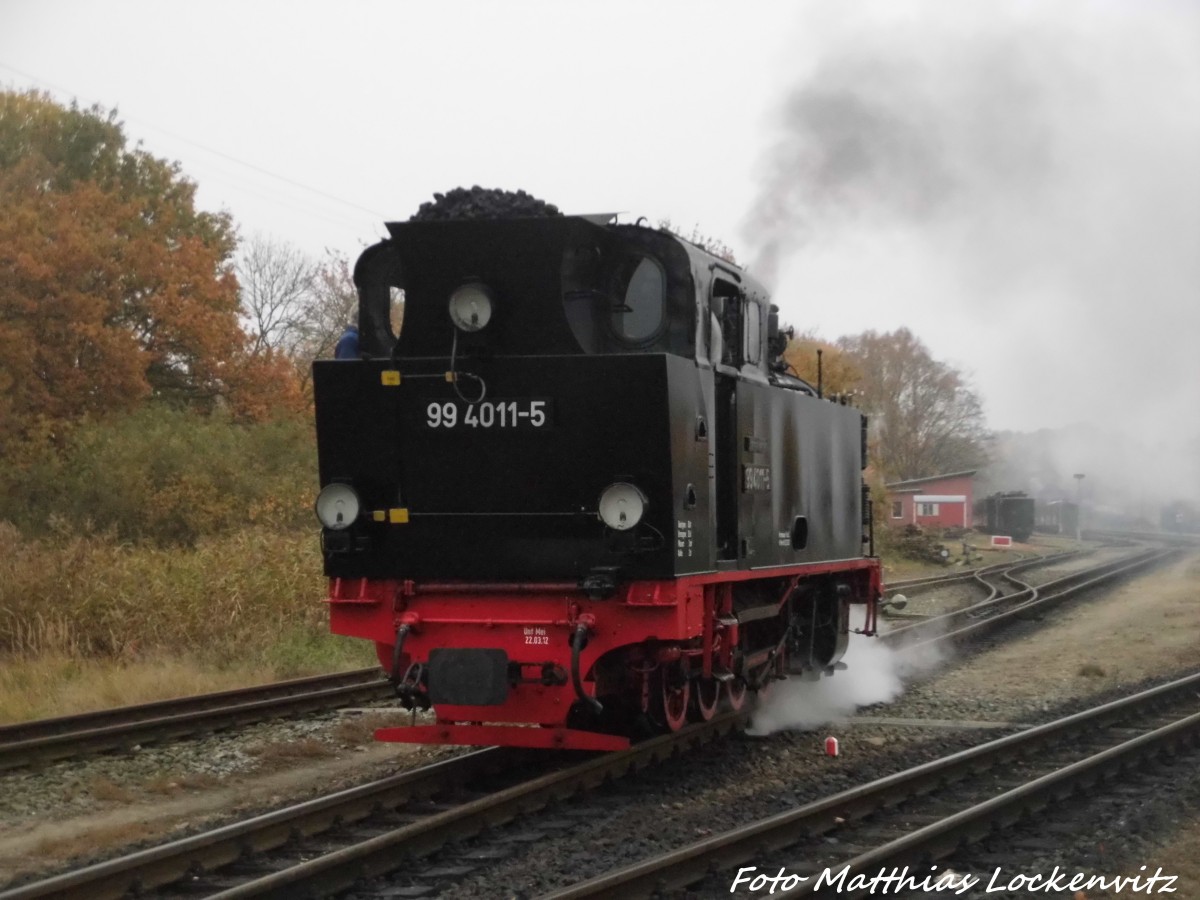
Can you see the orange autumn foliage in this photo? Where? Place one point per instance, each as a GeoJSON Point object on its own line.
{"type": "Point", "coordinates": [840, 374]}
{"type": "Point", "coordinates": [113, 287]}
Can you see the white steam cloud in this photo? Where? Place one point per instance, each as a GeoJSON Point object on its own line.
{"type": "Point", "coordinates": [875, 673]}
{"type": "Point", "coordinates": [1016, 183]}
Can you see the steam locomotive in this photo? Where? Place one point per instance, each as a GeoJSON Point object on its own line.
{"type": "Point", "coordinates": [579, 496]}
{"type": "Point", "coordinates": [1011, 513]}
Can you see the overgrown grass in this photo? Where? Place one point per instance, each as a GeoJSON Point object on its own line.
{"type": "Point", "coordinates": [158, 554]}
{"type": "Point", "coordinates": [88, 621]}
{"type": "Point", "coordinates": [92, 594]}
{"type": "Point", "coordinates": [163, 476]}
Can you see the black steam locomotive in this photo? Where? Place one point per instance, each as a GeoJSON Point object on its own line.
{"type": "Point", "coordinates": [578, 490]}
{"type": "Point", "coordinates": [1011, 513]}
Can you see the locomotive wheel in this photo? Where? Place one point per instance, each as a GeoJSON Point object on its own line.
{"type": "Point", "coordinates": [674, 691]}
{"type": "Point", "coordinates": [706, 697]}
{"type": "Point", "coordinates": [735, 693]}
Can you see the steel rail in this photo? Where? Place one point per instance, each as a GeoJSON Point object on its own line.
{"type": "Point", "coordinates": [210, 851]}
{"type": "Point", "coordinates": [341, 869]}
{"type": "Point", "coordinates": [170, 862]}
{"type": "Point", "coordinates": [910, 584]}
{"type": "Point", "coordinates": [967, 574]}
{"type": "Point", "coordinates": [45, 740]}
{"type": "Point", "coordinates": [940, 839]}
{"type": "Point", "coordinates": [721, 853]}
{"type": "Point", "coordinates": [986, 614]}
{"type": "Point", "coordinates": [1184, 538]}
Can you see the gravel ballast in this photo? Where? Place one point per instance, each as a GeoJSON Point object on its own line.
{"type": "Point", "coordinates": [1097, 647]}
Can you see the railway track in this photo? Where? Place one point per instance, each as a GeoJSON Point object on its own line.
{"type": "Point", "coordinates": [46, 740]}
{"type": "Point", "coordinates": [1176, 538]}
{"type": "Point", "coordinates": [1000, 608]}
{"type": "Point", "coordinates": [326, 845]}
{"type": "Point", "coordinates": [995, 581]}
{"type": "Point", "coordinates": [925, 813]}
{"type": "Point", "coordinates": [981, 574]}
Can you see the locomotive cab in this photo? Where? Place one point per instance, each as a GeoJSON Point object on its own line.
{"type": "Point", "coordinates": [575, 472]}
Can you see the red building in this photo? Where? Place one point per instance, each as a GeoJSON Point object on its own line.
{"type": "Point", "coordinates": [939, 501]}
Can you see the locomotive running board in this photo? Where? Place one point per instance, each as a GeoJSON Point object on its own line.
{"type": "Point", "coordinates": [504, 736]}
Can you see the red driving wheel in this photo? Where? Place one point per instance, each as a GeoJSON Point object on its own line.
{"type": "Point", "coordinates": [735, 693]}
{"type": "Point", "coordinates": [673, 696]}
{"type": "Point", "coordinates": [706, 697]}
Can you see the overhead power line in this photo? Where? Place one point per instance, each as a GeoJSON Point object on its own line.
{"type": "Point", "coordinates": [186, 140]}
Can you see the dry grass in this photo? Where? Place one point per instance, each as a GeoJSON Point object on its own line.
{"type": "Point", "coordinates": [92, 842]}
{"type": "Point", "coordinates": [353, 731]}
{"type": "Point", "coordinates": [56, 684]}
{"type": "Point", "coordinates": [88, 623]}
{"type": "Point", "coordinates": [165, 784]}
{"type": "Point", "coordinates": [89, 594]}
{"type": "Point", "coordinates": [1179, 856]}
{"type": "Point", "coordinates": [1091, 670]}
{"type": "Point", "coordinates": [104, 788]}
{"type": "Point", "coordinates": [275, 755]}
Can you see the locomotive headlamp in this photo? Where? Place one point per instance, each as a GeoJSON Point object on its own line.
{"type": "Point", "coordinates": [471, 307]}
{"type": "Point", "coordinates": [337, 506]}
{"type": "Point", "coordinates": [622, 506]}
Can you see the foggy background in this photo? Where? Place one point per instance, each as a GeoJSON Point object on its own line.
{"type": "Point", "coordinates": [1017, 183]}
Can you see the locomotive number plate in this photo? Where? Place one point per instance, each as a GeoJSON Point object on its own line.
{"type": "Point", "coordinates": [454, 415]}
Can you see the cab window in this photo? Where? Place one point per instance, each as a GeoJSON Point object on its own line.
{"type": "Point", "coordinates": [639, 314]}
{"type": "Point", "coordinates": [753, 333]}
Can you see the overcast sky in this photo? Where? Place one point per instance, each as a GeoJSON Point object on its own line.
{"type": "Point", "coordinates": [1016, 182]}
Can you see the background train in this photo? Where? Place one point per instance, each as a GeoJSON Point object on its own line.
{"type": "Point", "coordinates": [1011, 513]}
{"type": "Point", "coordinates": [578, 497]}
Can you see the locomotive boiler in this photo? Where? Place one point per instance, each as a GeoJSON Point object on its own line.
{"type": "Point", "coordinates": [577, 496]}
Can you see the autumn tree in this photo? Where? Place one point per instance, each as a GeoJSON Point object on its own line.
{"type": "Point", "coordinates": [839, 373]}
{"type": "Point", "coordinates": [925, 418]}
{"type": "Point", "coordinates": [113, 287]}
{"type": "Point", "coordinates": [294, 305]}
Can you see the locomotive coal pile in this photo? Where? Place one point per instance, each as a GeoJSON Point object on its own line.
{"type": "Point", "coordinates": [482, 203]}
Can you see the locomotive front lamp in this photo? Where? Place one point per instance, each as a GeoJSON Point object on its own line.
{"type": "Point", "coordinates": [622, 506]}
{"type": "Point", "coordinates": [471, 307]}
{"type": "Point", "coordinates": [337, 506]}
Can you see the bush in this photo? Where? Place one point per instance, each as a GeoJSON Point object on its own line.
{"type": "Point", "coordinates": [167, 477]}
{"type": "Point", "coordinates": [913, 543]}
{"type": "Point", "coordinates": [233, 597]}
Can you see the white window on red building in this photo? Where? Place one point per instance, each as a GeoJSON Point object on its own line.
{"type": "Point", "coordinates": [897, 509]}
{"type": "Point", "coordinates": [927, 509]}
